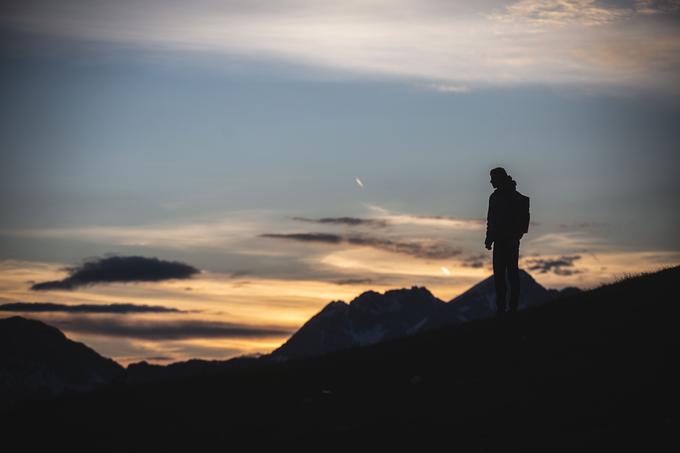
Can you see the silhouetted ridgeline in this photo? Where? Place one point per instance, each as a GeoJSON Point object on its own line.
{"type": "Point", "coordinates": [593, 370]}
{"type": "Point", "coordinates": [368, 319]}
{"type": "Point", "coordinates": [37, 360]}
{"type": "Point", "coordinates": [373, 317]}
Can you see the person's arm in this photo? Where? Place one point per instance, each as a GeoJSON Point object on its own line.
{"type": "Point", "coordinates": [488, 241]}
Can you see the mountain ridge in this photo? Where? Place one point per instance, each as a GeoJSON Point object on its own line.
{"type": "Point", "coordinates": [593, 370]}
{"type": "Point", "coordinates": [369, 318]}
{"type": "Point", "coordinates": [373, 317]}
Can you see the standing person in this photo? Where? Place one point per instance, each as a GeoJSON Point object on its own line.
{"type": "Point", "coordinates": [507, 221]}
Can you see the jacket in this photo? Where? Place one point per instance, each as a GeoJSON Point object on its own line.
{"type": "Point", "coordinates": [508, 214]}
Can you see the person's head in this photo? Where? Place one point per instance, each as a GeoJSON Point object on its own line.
{"type": "Point", "coordinates": [498, 177]}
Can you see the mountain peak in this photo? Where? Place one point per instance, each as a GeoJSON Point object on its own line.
{"type": "Point", "coordinates": [369, 318]}
{"type": "Point", "coordinates": [413, 291]}
{"type": "Point", "coordinates": [486, 285]}
{"type": "Point", "coordinates": [366, 295]}
{"type": "Point", "coordinates": [333, 308]}
{"type": "Point", "coordinates": [415, 294]}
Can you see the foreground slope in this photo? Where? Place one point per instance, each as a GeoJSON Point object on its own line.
{"type": "Point", "coordinates": [590, 370]}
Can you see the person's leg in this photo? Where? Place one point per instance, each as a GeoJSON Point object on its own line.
{"type": "Point", "coordinates": [513, 273]}
{"type": "Point", "coordinates": [499, 266]}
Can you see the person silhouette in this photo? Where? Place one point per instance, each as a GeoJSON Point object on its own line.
{"type": "Point", "coordinates": [507, 221]}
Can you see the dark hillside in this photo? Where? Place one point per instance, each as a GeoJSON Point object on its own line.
{"type": "Point", "coordinates": [594, 370]}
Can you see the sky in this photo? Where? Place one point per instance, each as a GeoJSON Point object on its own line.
{"type": "Point", "coordinates": [264, 158]}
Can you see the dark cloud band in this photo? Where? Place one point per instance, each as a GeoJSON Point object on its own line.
{"type": "Point", "coordinates": [564, 265]}
{"type": "Point", "coordinates": [418, 249]}
{"type": "Point", "coordinates": [354, 281]}
{"type": "Point", "coordinates": [351, 221]}
{"type": "Point", "coordinates": [175, 330]}
{"type": "Point", "coordinates": [475, 261]}
{"type": "Point", "coordinates": [42, 307]}
{"type": "Point", "coordinates": [125, 269]}
{"type": "Point", "coordinates": [326, 238]}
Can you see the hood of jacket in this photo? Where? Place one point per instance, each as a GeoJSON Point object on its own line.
{"type": "Point", "coordinates": [508, 186]}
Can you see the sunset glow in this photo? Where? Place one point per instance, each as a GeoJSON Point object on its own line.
{"type": "Point", "coordinates": [301, 152]}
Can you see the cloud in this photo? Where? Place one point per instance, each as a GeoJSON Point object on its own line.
{"type": "Point", "coordinates": [354, 281]}
{"type": "Point", "coordinates": [560, 266]}
{"type": "Point", "coordinates": [175, 330]}
{"type": "Point", "coordinates": [455, 223]}
{"type": "Point", "coordinates": [119, 269]}
{"type": "Point", "coordinates": [475, 261]}
{"type": "Point", "coordinates": [427, 248]}
{"type": "Point", "coordinates": [351, 221]}
{"type": "Point", "coordinates": [583, 225]}
{"type": "Point", "coordinates": [86, 308]}
{"type": "Point", "coordinates": [239, 274]}
{"type": "Point", "coordinates": [568, 242]}
{"type": "Point", "coordinates": [446, 87]}
{"type": "Point", "coordinates": [563, 12]}
{"type": "Point", "coordinates": [449, 46]}
{"type": "Point", "coordinates": [213, 232]}
{"type": "Point", "coordinates": [581, 12]}
{"type": "Point", "coordinates": [326, 238]}
{"type": "Point", "coordinates": [440, 220]}
{"type": "Point", "coordinates": [418, 248]}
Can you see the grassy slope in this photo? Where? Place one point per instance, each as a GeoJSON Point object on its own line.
{"type": "Point", "coordinates": [591, 369]}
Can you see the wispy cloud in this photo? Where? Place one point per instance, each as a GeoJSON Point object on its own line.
{"type": "Point", "coordinates": [326, 238]}
{"type": "Point", "coordinates": [475, 261]}
{"type": "Point", "coordinates": [212, 233]}
{"type": "Point", "coordinates": [575, 241]}
{"type": "Point", "coordinates": [563, 265]}
{"type": "Point", "coordinates": [350, 221]}
{"type": "Point", "coordinates": [419, 248]}
{"type": "Point", "coordinates": [582, 225]}
{"type": "Point", "coordinates": [448, 45]}
{"type": "Point", "coordinates": [354, 281]}
{"type": "Point", "coordinates": [172, 330]}
{"type": "Point", "coordinates": [86, 308]}
{"type": "Point", "coordinates": [124, 269]}
{"type": "Point", "coordinates": [397, 218]}
{"type": "Point", "coordinates": [446, 87]}
{"type": "Point", "coordinates": [550, 13]}
{"type": "Point", "coordinates": [562, 12]}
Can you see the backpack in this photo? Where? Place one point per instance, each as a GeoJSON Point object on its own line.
{"type": "Point", "coordinates": [521, 213]}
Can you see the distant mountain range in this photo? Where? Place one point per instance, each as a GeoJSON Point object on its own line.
{"type": "Point", "coordinates": [373, 317]}
{"type": "Point", "coordinates": [37, 360]}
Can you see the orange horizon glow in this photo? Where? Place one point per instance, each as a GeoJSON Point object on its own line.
{"type": "Point", "coordinates": [282, 303]}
